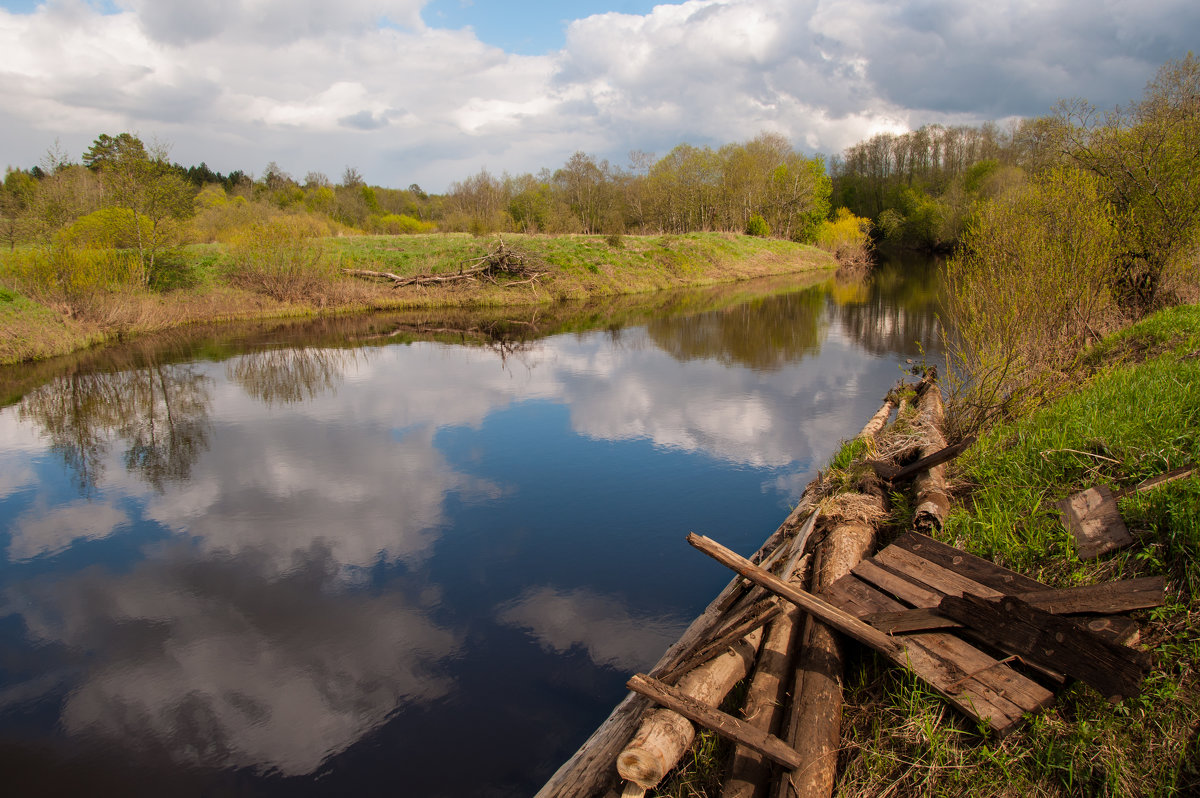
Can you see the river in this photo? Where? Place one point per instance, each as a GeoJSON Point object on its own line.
{"type": "Point", "coordinates": [400, 555]}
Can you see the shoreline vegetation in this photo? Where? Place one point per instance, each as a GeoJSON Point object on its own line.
{"type": "Point", "coordinates": [284, 272]}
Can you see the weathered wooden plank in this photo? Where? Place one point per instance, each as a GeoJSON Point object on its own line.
{"type": "Point", "coordinates": [974, 568]}
{"type": "Point", "coordinates": [965, 667]}
{"type": "Point", "coordinates": [893, 473]}
{"type": "Point", "coordinates": [974, 692]}
{"type": "Point", "coordinates": [756, 616]}
{"type": "Point", "coordinates": [1153, 482]}
{"type": "Point", "coordinates": [931, 575]}
{"type": "Point", "coordinates": [1012, 625]}
{"type": "Point", "coordinates": [723, 724]}
{"type": "Point", "coordinates": [1108, 597]}
{"type": "Point", "coordinates": [904, 589]}
{"type": "Point", "coordinates": [1116, 628]}
{"type": "Point", "coordinates": [842, 621]}
{"type": "Point", "coordinates": [1092, 518]}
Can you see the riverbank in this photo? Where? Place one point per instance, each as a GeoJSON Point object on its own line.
{"type": "Point", "coordinates": [202, 282]}
{"type": "Point", "coordinates": [1132, 415]}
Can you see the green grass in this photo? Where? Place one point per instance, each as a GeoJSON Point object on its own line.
{"type": "Point", "coordinates": [193, 284]}
{"type": "Point", "coordinates": [1135, 415]}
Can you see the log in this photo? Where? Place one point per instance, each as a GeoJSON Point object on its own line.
{"type": "Point", "coordinates": [665, 735]}
{"type": "Point", "coordinates": [933, 502]}
{"type": "Point", "coordinates": [894, 473]}
{"type": "Point", "coordinates": [1017, 628]}
{"type": "Point", "coordinates": [590, 771]}
{"type": "Point", "coordinates": [878, 420]}
{"type": "Point", "coordinates": [723, 724]}
{"type": "Point", "coordinates": [763, 709]}
{"type": "Point", "coordinates": [815, 721]}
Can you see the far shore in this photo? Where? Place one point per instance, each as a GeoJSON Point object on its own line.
{"type": "Point", "coordinates": [576, 267]}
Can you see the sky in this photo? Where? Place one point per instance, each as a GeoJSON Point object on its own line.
{"type": "Point", "coordinates": [432, 91]}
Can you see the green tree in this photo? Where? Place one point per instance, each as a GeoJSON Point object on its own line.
{"type": "Point", "coordinates": [16, 197]}
{"type": "Point", "coordinates": [1147, 156]}
{"type": "Point", "coordinates": [144, 183]}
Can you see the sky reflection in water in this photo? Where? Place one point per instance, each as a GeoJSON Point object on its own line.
{"type": "Point", "coordinates": [316, 569]}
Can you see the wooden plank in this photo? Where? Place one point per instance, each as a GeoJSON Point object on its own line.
{"type": "Point", "coordinates": [931, 575]}
{"type": "Point", "coordinates": [894, 473]}
{"type": "Point", "coordinates": [1092, 518]}
{"type": "Point", "coordinates": [900, 587]}
{"type": "Point", "coordinates": [1101, 599]}
{"type": "Point", "coordinates": [758, 615]}
{"type": "Point", "coordinates": [977, 569]}
{"type": "Point", "coordinates": [1105, 598]}
{"type": "Point", "coordinates": [977, 684]}
{"type": "Point", "coordinates": [844, 622]}
{"type": "Point", "coordinates": [723, 724]}
{"type": "Point", "coordinates": [1114, 627]}
{"type": "Point", "coordinates": [980, 694]}
{"type": "Point", "coordinates": [1154, 482]}
{"type": "Point", "coordinates": [1012, 625]}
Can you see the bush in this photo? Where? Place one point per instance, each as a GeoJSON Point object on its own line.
{"type": "Point", "coordinates": [398, 224]}
{"type": "Point", "coordinates": [1027, 290]}
{"type": "Point", "coordinates": [106, 228]}
{"type": "Point", "coordinates": [847, 237]}
{"type": "Point", "coordinates": [757, 226]}
{"type": "Point", "coordinates": [282, 259]}
{"type": "Point", "coordinates": [69, 278]}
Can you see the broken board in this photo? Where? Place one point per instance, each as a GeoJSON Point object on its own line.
{"type": "Point", "coordinates": [1092, 518]}
{"type": "Point", "coordinates": [918, 572]}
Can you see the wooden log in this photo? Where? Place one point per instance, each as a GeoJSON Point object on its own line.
{"type": "Point", "coordinates": [1013, 626]}
{"type": "Point", "coordinates": [878, 420]}
{"type": "Point", "coordinates": [763, 709]}
{"type": "Point", "coordinates": [815, 719]}
{"type": "Point", "coordinates": [933, 501]}
{"type": "Point", "coordinates": [1092, 518]}
{"type": "Point", "coordinates": [665, 735]}
{"type": "Point", "coordinates": [723, 724]}
{"type": "Point", "coordinates": [590, 771]}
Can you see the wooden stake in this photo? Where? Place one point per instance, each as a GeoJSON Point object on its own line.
{"type": "Point", "coordinates": [665, 735]}
{"type": "Point", "coordinates": [725, 725]}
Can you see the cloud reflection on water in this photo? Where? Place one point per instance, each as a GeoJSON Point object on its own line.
{"type": "Point", "coordinates": [215, 662]}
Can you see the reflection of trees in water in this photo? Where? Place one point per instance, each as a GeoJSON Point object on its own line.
{"type": "Point", "coordinates": [764, 334]}
{"type": "Point", "coordinates": [161, 411]}
{"type": "Point", "coordinates": [285, 376]}
{"type": "Point", "coordinates": [892, 311]}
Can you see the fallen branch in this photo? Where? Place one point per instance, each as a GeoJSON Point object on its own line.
{"type": "Point", "coordinates": [501, 262]}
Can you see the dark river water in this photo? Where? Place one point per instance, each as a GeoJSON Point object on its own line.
{"type": "Point", "coordinates": [400, 555]}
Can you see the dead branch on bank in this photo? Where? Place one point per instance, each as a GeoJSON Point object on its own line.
{"type": "Point", "coordinates": [501, 262]}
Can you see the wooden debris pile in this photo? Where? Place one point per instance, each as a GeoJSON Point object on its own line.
{"type": "Point", "coordinates": [994, 643]}
{"type": "Point", "coordinates": [503, 262]}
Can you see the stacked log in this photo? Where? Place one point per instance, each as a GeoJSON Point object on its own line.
{"type": "Point", "coordinates": [796, 689]}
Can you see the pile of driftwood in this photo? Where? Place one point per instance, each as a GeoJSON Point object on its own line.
{"type": "Point", "coordinates": [994, 643]}
{"type": "Point", "coordinates": [514, 266]}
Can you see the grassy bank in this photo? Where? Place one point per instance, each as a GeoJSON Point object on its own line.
{"type": "Point", "coordinates": [208, 282]}
{"type": "Point", "coordinates": [1136, 414]}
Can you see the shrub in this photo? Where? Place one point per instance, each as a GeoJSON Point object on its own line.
{"type": "Point", "coordinates": [757, 226]}
{"type": "Point", "coordinates": [106, 228]}
{"type": "Point", "coordinates": [398, 224]}
{"type": "Point", "coordinates": [847, 237]}
{"type": "Point", "coordinates": [1028, 288]}
{"type": "Point", "coordinates": [69, 278]}
{"type": "Point", "coordinates": [282, 259]}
